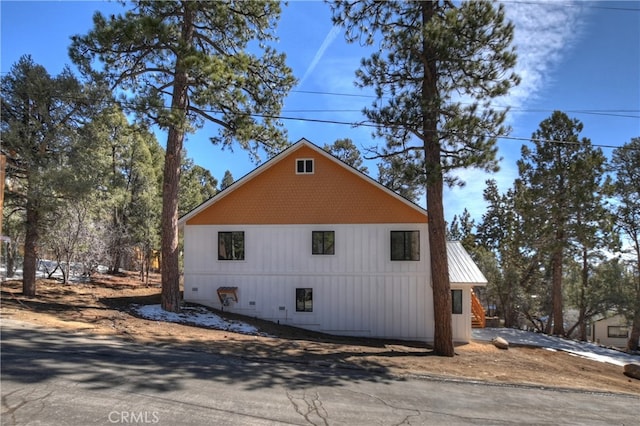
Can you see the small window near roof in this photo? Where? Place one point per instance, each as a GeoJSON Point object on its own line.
{"type": "Point", "coordinates": [304, 166]}
{"type": "Point", "coordinates": [323, 242]}
{"type": "Point", "coordinates": [405, 245]}
{"type": "Point", "coordinates": [231, 245]}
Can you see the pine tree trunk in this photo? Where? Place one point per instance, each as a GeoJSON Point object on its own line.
{"type": "Point", "coordinates": [632, 343]}
{"type": "Point", "coordinates": [583, 298]}
{"type": "Point", "coordinates": [170, 275]}
{"type": "Point", "coordinates": [634, 336]}
{"type": "Point", "coordinates": [170, 299]}
{"type": "Point", "coordinates": [30, 251]}
{"type": "Point", "coordinates": [583, 328]}
{"type": "Point", "coordinates": [509, 315]}
{"type": "Point", "coordinates": [442, 333]}
{"type": "Point", "coordinates": [556, 293]}
{"type": "Point", "coordinates": [11, 259]}
{"type": "Point", "coordinates": [116, 259]}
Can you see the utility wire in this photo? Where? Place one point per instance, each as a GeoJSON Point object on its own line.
{"type": "Point", "coordinates": [625, 113]}
{"type": "Point", "coordinates": [108, 102]}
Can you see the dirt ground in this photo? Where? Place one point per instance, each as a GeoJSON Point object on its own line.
{"type": "Point", "coordinates": [103, 307]}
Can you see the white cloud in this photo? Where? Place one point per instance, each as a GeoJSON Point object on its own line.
{"type": "Point", "coordinates": [544, 33]}
{"type": "Point", "coordinates": [330, 37]}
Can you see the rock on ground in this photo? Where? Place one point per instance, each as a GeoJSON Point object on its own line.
{"type": "Point", "coordinates": [632, 370]}
{"type": "Point", "coordinates": [500, 343]}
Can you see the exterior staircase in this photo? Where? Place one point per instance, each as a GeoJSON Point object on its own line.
{"type": "Point", "coordinates": [478, 317]}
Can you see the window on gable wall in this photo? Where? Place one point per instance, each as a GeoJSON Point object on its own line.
{"type": "Point", "coordinates": [405, 245]}
{"type": "Point", "coordinates": [231, 245]}
{"type": "Point", "coordinates": [304, 166]}
{"type": "Point", "coordinates": [323, 242]}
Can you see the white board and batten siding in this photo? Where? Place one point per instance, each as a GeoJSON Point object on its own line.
{"type": "Point", "coordinates": [358, 291]}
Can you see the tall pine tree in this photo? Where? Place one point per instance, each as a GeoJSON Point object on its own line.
{"type": "Point", "coordinates": [184, 63]}
{"type": "Point", "coordinates": [556, 179]}
{"type": "Point", "coordinates": [41, 115]}
{"type": "Point", "coordinates": [626, 165]}
{"type": "Point", "coordinates": [438, 66]}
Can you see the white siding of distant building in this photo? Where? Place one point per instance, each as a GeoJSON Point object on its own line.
{"type": "Point", "coordinates": [601, 331]}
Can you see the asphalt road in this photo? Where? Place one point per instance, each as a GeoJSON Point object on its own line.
{"type": "Point", "coordinates": [52, 377]}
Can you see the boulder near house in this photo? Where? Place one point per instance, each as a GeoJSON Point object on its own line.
{"type": "Point", "coordinates": [308, 241]}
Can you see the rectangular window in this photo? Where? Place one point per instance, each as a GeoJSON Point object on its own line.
{"type": "Point", "coordinates": [405, 245]}
{"type": "Point", "coordinates": [322, 242]}
{"type": "Point", "coordinates": [231, 245]}
{"type": "Point", "coordinates": [456, 301]}
{"type": "Point", "coordinates": [304, 300]}
{"type": "Point", "coordinates": [618, 331]}
{"type": "Point", "coordinates": [304, 166]}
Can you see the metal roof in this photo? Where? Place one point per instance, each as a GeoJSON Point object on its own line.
{"type": "Point", "coordinates": [462, 269]}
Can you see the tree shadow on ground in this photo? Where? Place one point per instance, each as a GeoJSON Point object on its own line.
{"type": "Point", "coordinates": [270, 328]}
{"type": "Point", "coordinates": [299, 349]}
{"type": "Point", "coordinates": [35, 355]}
{"type": "Point", "coordinates": [283, 343]}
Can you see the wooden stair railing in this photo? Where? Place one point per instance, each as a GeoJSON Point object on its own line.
{"type": "Point", "coordinates": [478, 318]}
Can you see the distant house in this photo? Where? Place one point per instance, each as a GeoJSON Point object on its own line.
{"type": "Point", "coordinates": [309, 241]}
{"type": "Point", "coordinates": [611, 331]}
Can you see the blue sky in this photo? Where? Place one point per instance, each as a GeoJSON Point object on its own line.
{"type": "Point", "coordinates": [580, 57]}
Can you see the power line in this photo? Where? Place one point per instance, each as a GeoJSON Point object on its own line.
{"type": "Point", "coordinates": [623, 113]}
{"type": "Point", "coordinates": [507, 137]}
{"type": "Point", "coordinates": [344, 123]}
{"type": "Point", "coordinates": [313, 92]}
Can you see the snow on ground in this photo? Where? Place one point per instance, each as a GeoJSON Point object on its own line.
{"type": "Point", "coordinates": [194, 315]}
{"type": "Point", "coordinates": [583, 349]}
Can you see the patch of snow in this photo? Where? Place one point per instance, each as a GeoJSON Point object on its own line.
{"type": "Point", "coordinates": [194, 315]}
{"type": "Point", "coordinates": [583, 349]}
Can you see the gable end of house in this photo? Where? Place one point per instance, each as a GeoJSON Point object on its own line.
{"type": "Point", "coordinates": [305, 185]}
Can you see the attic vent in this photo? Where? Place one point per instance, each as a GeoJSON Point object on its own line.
{"type": "Point", "coordinates": [304, 166]}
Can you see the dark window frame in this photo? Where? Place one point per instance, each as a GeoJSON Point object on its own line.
{"type": "Point", "coordinates": [236, 241]}
{"type": "Point", "coordinates": [305, 166]}
{"type": "Point", "coordinates": [457, 304]}
{"type": "Point", "coordinates": [304, 299]}
{"type": "Point", "coordinates": [619, 334]}
{"type": "Point", "coordinates": [403, 244]}
{"type": "Point", "coordinates": [323, 242]}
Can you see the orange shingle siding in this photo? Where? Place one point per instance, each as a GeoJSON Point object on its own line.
{"type": "Point", "coordinates": [332, 194]}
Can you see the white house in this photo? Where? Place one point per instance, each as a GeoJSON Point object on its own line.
{"type": "Point", "coordinates": [611, 331]}
{"type": "Point", "coordinates": [308, 241]}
